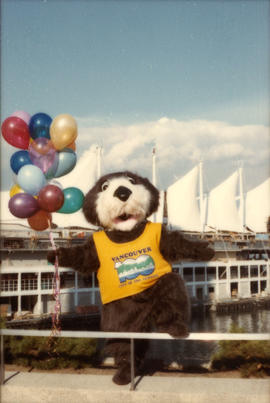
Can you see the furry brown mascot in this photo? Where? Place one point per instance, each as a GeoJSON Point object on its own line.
{"type": "Point", "coordinates": [132, 258]}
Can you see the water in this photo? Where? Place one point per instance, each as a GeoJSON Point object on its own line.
{"type": "Point", "coordinates": [257, 321]}
{"type": "Point", "coordinates": [191, 353]}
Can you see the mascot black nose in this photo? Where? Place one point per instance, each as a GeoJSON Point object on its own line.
{"type": "Point", "coordinates": [122, 193]}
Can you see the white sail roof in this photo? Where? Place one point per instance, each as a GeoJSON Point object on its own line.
{"type": "Point", "coordinates": [182, 203]}
{"type": "Point", "coordinates": [222, 208]}
{"type": "Point", "coordinates": [258, 207]}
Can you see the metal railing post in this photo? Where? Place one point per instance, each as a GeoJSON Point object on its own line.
{"type": "Point", "coordinates": [132, 370]}
{"type": "Point", "coordinates": [2, 368]}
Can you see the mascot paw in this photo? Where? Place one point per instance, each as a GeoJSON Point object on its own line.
{"type": "Point", "coordinates": [202, 251]}
{"type": "Point", "coordinates": [174, 329]}
{"type": "Point", "coordinates": [122, 376]}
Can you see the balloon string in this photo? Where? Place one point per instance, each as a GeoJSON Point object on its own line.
{"type": "Point", "coordinates": [56, 328]}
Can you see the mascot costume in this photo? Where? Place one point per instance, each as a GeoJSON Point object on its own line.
{"type": "Point", "coordinates": [132, 258]}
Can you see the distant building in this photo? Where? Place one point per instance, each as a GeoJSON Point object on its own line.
{"type": "Point", "coordinates": [240, 270]}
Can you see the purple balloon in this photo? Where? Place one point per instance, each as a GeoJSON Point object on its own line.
{"type": "Point", "coordinates": [44, 155]}
{"type": "Point", "coordinates": [23, 205]}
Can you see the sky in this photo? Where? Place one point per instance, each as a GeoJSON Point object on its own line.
{"type": "Point", "coordinates": [188, 77]}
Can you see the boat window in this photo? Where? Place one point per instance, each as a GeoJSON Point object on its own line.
{"type": "Point", "coordinates": [28, 302]}
{"type": "Point", "coordinates": [244, 271]}
{"type": "Point", "coordinates": [254, 271]}
{"type": "Point", "coordinates": [211, 273]}
{"type": "Point", "coordinates": [234, 290]}
{"type": "Point", "coordinates": [67, 279]}
{"type": "Point", "coordinates": [234, 271]}
{"type": "Point", "coordinates": [47, 281]}
{"type": "Point", "coordinates": [199, 293]}
{"type": "Point", "coordinates": [254, 287]}
{"type": "Point", "coordinates": [211, 293]}
{"type": "Point", "coordinates": [263, 270]}
{"type": "Point", "coordinates": [199, 273]}
{"type": "Point", "coordinates": [187, 273]}
{"type": "Point", "coordinates": [85, 281]}
{"type": "Point", "coordinates": [9, 282]}
{"type": "Point", "coordinates": [29, 281]}
{"type": "Point", "coordinates": [222, 273]}
{"type": "Point", "coordinates": [263, 285]}
{"type": "Point", "coordinates": [13, 243]}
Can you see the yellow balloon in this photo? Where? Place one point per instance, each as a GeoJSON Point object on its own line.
{"type": "Point", "coordinates": [15, 189]}
{"type": "Point", "coordinates": [63, 131]}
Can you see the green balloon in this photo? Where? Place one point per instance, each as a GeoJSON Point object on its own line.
{"type": "Point", "coordinates": [73, 200]}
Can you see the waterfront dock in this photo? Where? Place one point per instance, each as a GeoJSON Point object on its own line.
{"type": "Point", "coordinates": [242, 305]}
{"type": "Point", "coordinates": [26, 387]}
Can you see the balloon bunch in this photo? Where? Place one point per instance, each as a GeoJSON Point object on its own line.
{"type": "Point", "coordinates": [47, 151]}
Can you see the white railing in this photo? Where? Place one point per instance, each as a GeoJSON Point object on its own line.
{"type": "Point", "coordinates": [122, 335]}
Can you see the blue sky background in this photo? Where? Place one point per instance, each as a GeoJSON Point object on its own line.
{"type": "Point", "coordinates": [118, 65]}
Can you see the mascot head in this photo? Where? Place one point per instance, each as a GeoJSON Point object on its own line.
{"type": "Point", "coordinates": [120, 200]}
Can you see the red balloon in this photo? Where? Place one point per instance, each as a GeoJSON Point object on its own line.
{"type": "Point", "coordinates": [40, 221]}
{"type": "Point", "coordinates": [15, 132]}
{"type": "Point", "coordinates": [50, 198]}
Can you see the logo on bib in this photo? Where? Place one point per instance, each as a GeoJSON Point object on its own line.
{"type": "Point", "coordinates": [132, 268]}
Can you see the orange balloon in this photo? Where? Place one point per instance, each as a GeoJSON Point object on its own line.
{"type": "Point", "coordinates": [40, 221]}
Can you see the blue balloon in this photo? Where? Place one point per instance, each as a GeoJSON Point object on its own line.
{"type": "Point", "coordinates": [67, 161]}
{"type": "Point", "coordinates": [19, 159]}
{"type": "Point", "coordinates": [39, 125]}
{"type": "Point", "coordinates": [73, 200]}
{"type": "Point", "coordinates": [31, 179]}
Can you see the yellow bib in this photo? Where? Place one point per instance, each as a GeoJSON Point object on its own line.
{"type": "Point", "coordinates": [131, 267]}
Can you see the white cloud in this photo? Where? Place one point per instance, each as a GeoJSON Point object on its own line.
{"type": "Point", "coordinates": [227, 150]}
{"type": "Point", "coordinates": [180, 144]}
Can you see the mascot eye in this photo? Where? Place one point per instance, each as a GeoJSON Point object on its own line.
{"type": "Point", "coordinates": [131, 180]}
{"type": "Point", "coordinates": [104, 186]}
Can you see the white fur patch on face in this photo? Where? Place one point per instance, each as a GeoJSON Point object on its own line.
{"type": "Point", "coordinates": [120, 214]}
